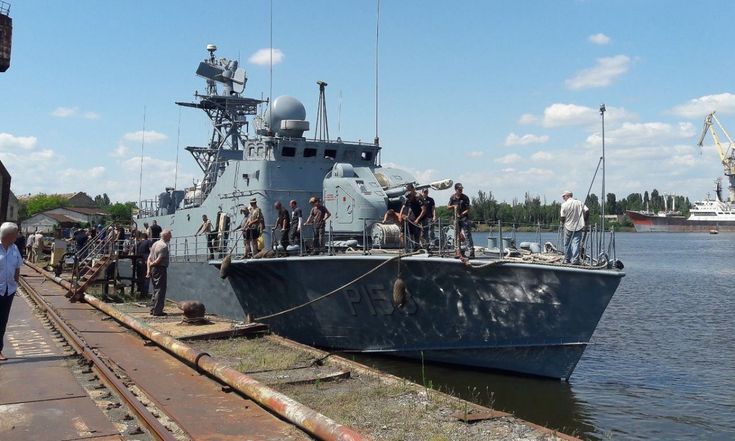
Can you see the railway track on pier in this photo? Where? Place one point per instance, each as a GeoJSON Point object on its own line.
{"type": "Point", "coordinates": [169, 399]}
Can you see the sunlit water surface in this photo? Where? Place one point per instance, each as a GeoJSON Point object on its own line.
{"type": "Point", "coordinates": [662, 360]}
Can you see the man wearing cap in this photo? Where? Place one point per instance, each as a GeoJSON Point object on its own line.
{"type": "Point", "coordinates": [574, 216]}
{"type": "Point", "coordinates": [318, 216]}
{"type": "Point", "coordinates": [254, 226]}
{"type": "Point", "coordinates": [460, 203]}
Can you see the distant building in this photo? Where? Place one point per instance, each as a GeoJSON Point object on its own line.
{"type": "Point", "coordinates": [93, 216]}
{"type": "Point", "coordinates": [48, 222]}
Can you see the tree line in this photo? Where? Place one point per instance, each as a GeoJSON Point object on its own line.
{"type": "Point", "coordinates": [533, 211]}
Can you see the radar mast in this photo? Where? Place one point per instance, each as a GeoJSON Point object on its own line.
{"type": "Point", "coordinates": [228, 113]}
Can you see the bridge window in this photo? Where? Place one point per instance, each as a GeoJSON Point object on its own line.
{"type": "Point", "coordinates": [367, 155]}
{"type": "Point", "coordinates": [330, 153]}
{"type": "Point", "coordinates": [309, 153]}
{"type": "Point", "coordinates": [288, 151]}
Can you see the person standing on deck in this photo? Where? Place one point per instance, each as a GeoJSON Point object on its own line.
{"type": "Point", "coordinates": [460, 204]}
{"type": "Point", "coordinates": [318, 216]}
{"type": "Point", "coordinates": [158, 271]}
{"type": "Point", "coordinates": [430, 218]}
{"type": "Point", "coordinates": [296, 218]}
{"type": "Point", "coordinates": [155, 231]}
{"type": "Point", "coordinates": [10, 263]}
{"type": "Point", "coordinates": [254, 226]}
{"type": "Point", "coordinates": [574, 216]}
{"type": "Point", "coordinates": [243, 226]}
{"type": "Point", "coordinates": [206, 228]}
{"type": "Point", "coordinates": [283, 225]}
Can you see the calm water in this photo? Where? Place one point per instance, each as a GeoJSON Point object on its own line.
{"type": "Point", "coordinates": [662, 362]}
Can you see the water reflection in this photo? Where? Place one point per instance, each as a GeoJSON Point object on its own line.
{"type": "Point", "coordinates": [546, 402]}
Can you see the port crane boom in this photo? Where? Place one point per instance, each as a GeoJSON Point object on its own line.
{"type": "Point", "coordinates": [727, 155]}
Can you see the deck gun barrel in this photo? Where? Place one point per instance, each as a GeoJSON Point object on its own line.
{"type": "Point", "coordinates": [399, 190]}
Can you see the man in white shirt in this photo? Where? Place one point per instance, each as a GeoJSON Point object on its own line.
{"type": "Point", "coordinates": [37, 246]}
{"type": "Point", "coordinates": [574, 216]}
{"type": "Point", "coordinates": [10, 263]}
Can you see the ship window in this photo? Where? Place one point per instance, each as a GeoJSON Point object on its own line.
{"type": "Point", "coordinates": [309, 153]}
{"type": "Point", "coordinates": [349, 155]}
{"type": "Point", "coordinates": [330, 153]}
{"type": "Point", "coordinates": [366, 155]}
{"type": "Point", "coordinates": [288, 151]}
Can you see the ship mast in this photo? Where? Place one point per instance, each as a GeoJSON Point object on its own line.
{"type": "Point", "coordinates": [228, 113]}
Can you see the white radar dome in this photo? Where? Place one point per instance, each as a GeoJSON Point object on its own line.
{"type": "Point", "coordinates": [284, 108]}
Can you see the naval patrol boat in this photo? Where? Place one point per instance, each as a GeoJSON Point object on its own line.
{"type": "Point", "coordinates": [366, 292]}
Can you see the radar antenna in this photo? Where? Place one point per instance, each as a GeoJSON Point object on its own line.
{"type": "Point", "coordinates": [228, 112]}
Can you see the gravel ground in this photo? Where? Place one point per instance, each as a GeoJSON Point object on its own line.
{"type": "Point", "coordinates": [381, 406]}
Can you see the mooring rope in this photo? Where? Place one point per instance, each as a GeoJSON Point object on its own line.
{"type": "Point", "coordinates": [336, 290]}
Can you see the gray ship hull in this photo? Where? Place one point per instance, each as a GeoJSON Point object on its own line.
{"type": "Point", "coordinates": [525, 318]}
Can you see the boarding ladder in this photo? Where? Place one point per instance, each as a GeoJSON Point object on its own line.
{"type": "Point", "coordinates": [89, 262]}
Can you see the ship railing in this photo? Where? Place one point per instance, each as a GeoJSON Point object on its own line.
{"type": "Point", "coordinates": [598, 246]}
{"type": "Point", "coordinates": [206, 246]}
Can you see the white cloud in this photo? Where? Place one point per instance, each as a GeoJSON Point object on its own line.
{"type": "Point", "coordinates": [599, 39]}
{"type": "Point", "coordinates": [150, 136]}
{"type": "Point", "coordinates": [683, 160]}
{"type": "Point", "coordinates": [558, 114]}
{"type": "Point", "coordinates": [74, 175]}
{"type": "Point", "coordinates": [527, 119]}
{"type": "Point", "coordinates": [262, 57]}
{"type": "Point", "coordinates": [542, 156]}
{"type": "Point", "coordinates": [699, 107]}
{"type": "Point", "coordinates": [632, 134]}
{"type": "Point", "coordinates": [65, 112]}
{"type": "Point", "coordinates": [509, 159]}
{"type": "Point", "coordinates": [528, 139]}
{"type": "Point", "coordinates": [601, 74]}
{"type": "Point", "coordinates": [474, 154]}
{"type": "Point", "coordinates": [11, 142]}
{"type": "Point", "coordinates": [120, 151]}
{"type": "Point", "coordinates": [73, 112]}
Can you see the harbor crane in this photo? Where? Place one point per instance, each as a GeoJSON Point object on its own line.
{"type": "Point", "coordinates": [727, 155]}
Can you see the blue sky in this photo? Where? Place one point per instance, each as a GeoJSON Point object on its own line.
{"type": "Point", "coordinates": [501, 96]}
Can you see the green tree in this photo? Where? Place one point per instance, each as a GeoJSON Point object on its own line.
{"type": "Point", "coordinates": [120, 212]}
{"type": "Point", "coordinates": [43, 202]}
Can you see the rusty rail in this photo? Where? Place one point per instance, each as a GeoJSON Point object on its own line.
{"type": "Point", "coordinates": [291, 410]}
{"type": "Point", "coordinates": [156, 429]}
